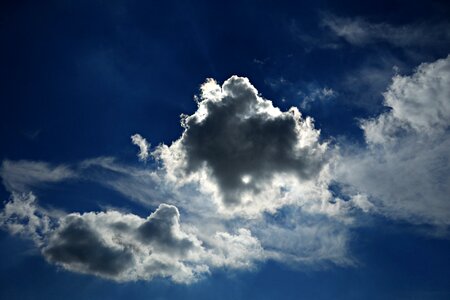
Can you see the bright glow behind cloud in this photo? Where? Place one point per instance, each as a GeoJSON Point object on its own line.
{"type": "Point", "coordinates": [123, 247]}
{"type": "Point", "coordinates": [253, 183]}
{"type": "Point", "coordinates": [237, 134]}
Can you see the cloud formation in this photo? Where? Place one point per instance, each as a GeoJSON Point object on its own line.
{"type": "Point", "coordinates": [253, 182]}
{"type": "Point", "coordinates": [405, 167]}
{"type": "Point", "coordinates": [123, 246]}
{"type": "Point", "coordinates": [242, 142]}
{"type": "Point", "coordinates": [24, 175]}
{"type": "Point", "coordinates": [360, 32]}
{"type": "Point", "coordinates": [316, 94]}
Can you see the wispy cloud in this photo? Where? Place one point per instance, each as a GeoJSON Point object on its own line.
{"type": "Point", "coordinates": [405, 166]}
{"type": "Point", "coordinates": [360, 32]}
{"type": "Point", "coordinates": [24, 175]}
{"type": "Point", "coordinates": [316, 94]}
{"type": "Point", "coordinates": [144, 146]}
{"type": "Point", "coordinates": [202, 219]}
{"type": "Point", "coordinates": [247, 182]}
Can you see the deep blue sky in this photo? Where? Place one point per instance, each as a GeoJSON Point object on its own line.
{"type": "Point", "coordinates": [77, 78]}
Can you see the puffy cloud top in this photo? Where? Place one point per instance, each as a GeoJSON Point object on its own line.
{"type": "Point", "coordinates": [423, 99]}
{"type": "Point", "coordinates": [242, 141]}
{"type": "Point", "coordinates": [420, 105]}
{"type": "Point", "coordinates": [406, 166]}
{"type": "Point", "coordinates": [124, 247]}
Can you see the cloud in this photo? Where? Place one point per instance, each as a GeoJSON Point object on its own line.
{"type": "Point", "coordinates": [309, 41]}
{"type": "Point", "coordinates": [420, 101]}
{"type": "Point", "coordinates": [237, 143]}
{"type": "Point", "coordinates": [20, 216]}
{"type": "Point", "coordinates": [308, 92]}
{"type": "Point", "coordinates": [252, 183]}
{"type": "Point", "coordinates": [123, 246]}
{"type": "Point", "coordinates": [142, 185]}
{"type": "Point", "coordinates": [325, 214]}
{"type": "Point", "coordinates": [301, 237]}
{"type": "Point", "coordinates": [405, 167]}
{"type": "Point", "coordinates": [141, 142]}
{"type": "Point", "coordinates": [362, 87]}
{"type": "Point", "coordinates": [360, 32]}
{"type": "Point", "coordinates": [23, 175]}
{"type": "Point", "coordinates": [219, 231]}
{"type": "Point", "coordinates": [316, 94]}
{"type": "Point", "coordinates": [77, 246]}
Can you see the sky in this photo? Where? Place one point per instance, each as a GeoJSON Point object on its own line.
{"type": "Point", "coordinates": [225, 150]}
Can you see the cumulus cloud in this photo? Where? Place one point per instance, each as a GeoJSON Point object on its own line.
{"type": "Point", "coordinates": [405, 167]}
{"type": "Point", "coordinates": [237, 143]}
{"type": "Point", "coordinates": [77, 246]}
{"type": "Point", "coordinates": [123, 246]}
{"type": "Point", "coordinates": [360, 32]}
{"type": "Point", "coordinates": [23, 175]}
{"type": "Point", "coordinates": [324, 213]}
{"type": "Point", "coordinates": [144, 146]}
{"type": "Point", "coordinates": [420, 103]}
{"type": "Point", "coordinates": [252, 182]}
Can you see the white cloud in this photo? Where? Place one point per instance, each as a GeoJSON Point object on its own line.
{"type": "Point", "coordinates": [323, 214]}
{"type": "Point", "coordinates": [316, 94]}
{"type": "Point", "coordinates": [316, 243]}
{"type": "Point", "coordinates": [123, 246]}
{"type": "Point", "coordinates": [20, 216]}
{"type": "Point", "coordinates": [360, 32]}
{"type": "Point", "coordinates": [422, 100]}
{"type": "Point", "coordinates": [144, 146]}
{"type": "Point", "coordinates": [405, 167]}
{"type": "Point", "coordinates": [235, 250]}
{"type": "Point", "coordinates": [23, 175]}
{"type": "Point", "coordinates": [278, 204]}
{"type": "Point", "coordinates": [142, 185]}
{"type": "Point", "coordinates": [362, 201]}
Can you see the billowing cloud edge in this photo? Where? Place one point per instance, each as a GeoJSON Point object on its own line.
{"type": "Point", "coordinates": [247, 154]}
{"type": "Point", "coordinates": [235, 225]}
{"type": "Point", "coordinates": [125, 247]}
{"type": "Point", "coordinates": [404, 167]}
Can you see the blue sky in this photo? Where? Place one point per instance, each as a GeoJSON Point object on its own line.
{"type": "Point", "coordinates": [311, 160]}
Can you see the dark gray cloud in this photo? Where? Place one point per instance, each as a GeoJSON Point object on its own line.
{"type": "Point", "coordinates": [78, 246]}
{"type": "Point", "coordinates": [118, 246]}
{"type": "Point", "coordinates": [243, 140]}
{"type": "Point", "coordinates": [159, 228]}
{"type": "Point", "coordinates": [126, 247]}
